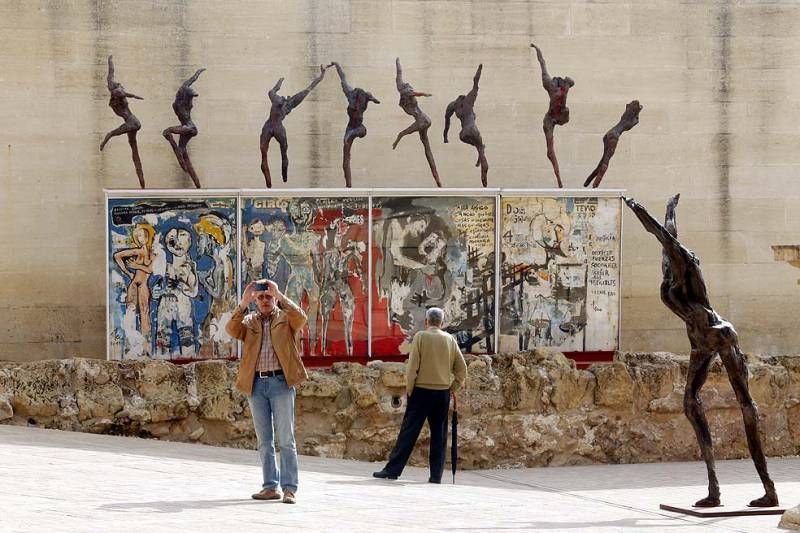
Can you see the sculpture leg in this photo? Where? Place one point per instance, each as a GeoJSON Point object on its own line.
{"type": "Point", "coordinates": [737, 374]}
{"type": "Point", "coordinates": [167, 133]}
{"type": "Point", "coordinates": [411, 129]}
{"type": "Point", "coordinates": [699, 364]}
{"type": "Point", "coordinates": [348, 143]}
{"type": "Point", "coordinates": [265, 138]}
{"type": "Point", "coordinates": [549, 126]}
{"type": "Point", "coordinates": [484, 164]}
{"type": "Point", "coordinates": [281, 137]}
{"type": "Point", "coordinates": [423, 136]}
{"type": "Point", "coordinates": [184, 140]}
{"type": "Point", "coordinates": [137, 162]}
{"type": "Point", "coordinates": [113, 133]}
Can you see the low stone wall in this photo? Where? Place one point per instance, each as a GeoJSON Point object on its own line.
{"type": "Point", "coordinates": [521, 409]}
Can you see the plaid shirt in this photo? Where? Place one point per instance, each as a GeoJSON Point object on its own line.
{"type": "Point", "coordinates": [267, 360]}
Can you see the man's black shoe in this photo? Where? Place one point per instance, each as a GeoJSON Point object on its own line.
{"type": "Point", "coordinates": [437, 481]}
{"type": "Point", "coordinates": [383, 474]}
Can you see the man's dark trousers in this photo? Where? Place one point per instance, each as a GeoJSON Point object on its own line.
{"type": "Point", "coordinates": [423, 404]}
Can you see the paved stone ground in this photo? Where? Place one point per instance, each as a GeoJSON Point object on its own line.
{"type": "Point", "coordinates": [58, 481]}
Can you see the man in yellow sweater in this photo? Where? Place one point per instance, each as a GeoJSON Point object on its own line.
{"type": "Point", "coordinates": [435, 370]}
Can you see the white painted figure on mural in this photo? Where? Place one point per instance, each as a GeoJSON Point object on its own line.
{"type": "Point", "coordinates": [179, 286]}
{"type": "Point", "coordinates": [136, 263]}
{"type": "Point", "coordinates": [214, 240]}
{"type": "Point", "coordinates": [301, 249]}
{"type": "Point", "coordinates": [254, 251]}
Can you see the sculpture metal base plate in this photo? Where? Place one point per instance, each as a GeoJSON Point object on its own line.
{"type": "Point", "coordinates": [712, 512]}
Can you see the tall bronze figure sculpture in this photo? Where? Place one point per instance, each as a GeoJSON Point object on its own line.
{"type": "Point", "coordinates": [118, 102]}
{"type": "Point", "coordinates": [683, 291]}
{"type": "Point", "coordinates": [357, 102]}
{"type": "Point", "coordinates": [273, 127]}
{"type": "Point", "coordinates": [629, 119]}
{"type": "Point", "coordinates": [408, 103]}
{"type": "Point", "coordinates": [462, 106]}
{"type": "Point", "coordinates": [182, 106]}
{"type": "Point", "coordinates": [558, 112]}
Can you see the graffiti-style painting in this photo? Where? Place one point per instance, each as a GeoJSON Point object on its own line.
{"type": "Point", "coordinates": [559, 273]}
{"type": "Point", "coordinates": [172, 281]}
{"type": "Point", "coordinates": [433, 251]}
{"type": "Point", "coordinates": [315, 249]}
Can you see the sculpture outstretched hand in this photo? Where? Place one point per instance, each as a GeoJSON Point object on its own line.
{"type": "Point", "coordinates": [683, 291]}
{"type": "Point", "coordinates": [118, 102]}
{"type": "Point", "coordinates": [357, 102]}
{"type": "Point", "coordinates": [462, 106]}
{"type": "Point", "coordinates": [629, 119]}
{"type": "Point", "coordinates": [182, 106]}
{"type": "Point", "coordinates": [409, 104]}
{"type": "Point", "coordinates": [557, 113]}
{"type": "Point", "coordinates": [273, 127]}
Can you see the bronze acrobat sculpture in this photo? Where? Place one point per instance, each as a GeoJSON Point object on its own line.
{"type": "Point", "coordinates": [182, 106]}
{"type": "Point", "coordinates": [118, 102]}
{"type": "Point", "coordinates": [273, 127]}
{"type": "Point", "coordinates": [408, 103]}
{"type": "Point", "coordinates": [683, 291]}
{"type": "Point", "coordinates": [357, 101]}
{"type": "Point", "coordinates": [629, 119]}
{"type": "Point", "coordinates": [558, 112]}
{"type": "Point", "coordinates": [462, 106]}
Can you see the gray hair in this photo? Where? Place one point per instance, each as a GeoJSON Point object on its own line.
{"type": "Point", "coordinates": [434, 316]}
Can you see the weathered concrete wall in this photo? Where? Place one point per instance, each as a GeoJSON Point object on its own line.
{"type": "Point", "coordinates": [524, 409]}
{"type": "Point", "coordinates": [717, 80]}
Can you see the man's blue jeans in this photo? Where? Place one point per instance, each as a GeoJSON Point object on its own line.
{"type": "Point", "coordinates": [272, 406]}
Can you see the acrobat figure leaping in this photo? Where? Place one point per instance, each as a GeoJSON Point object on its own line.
{"type": "Point", "coordinates": [557, 113]}
{"type": "Point", "coordinates": [182, 106]}
{"type": "Point", "coordinates": [118, 102]}
{"type": "Point", "coordinates": [463, 106]}
{"type": "Point", "coordinates": [683, 291]}
{"type": "Point", "coordinates": [273, 127]}
{"type": "Point", "coordinates": [409, 104]}
{"type": "Point", "coordinates": [357, 102]}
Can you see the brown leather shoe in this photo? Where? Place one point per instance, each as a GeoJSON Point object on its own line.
{"type": "Point", "coordinates": [288, 497]}
{"type": "Point", "coordinates": [267, 494]}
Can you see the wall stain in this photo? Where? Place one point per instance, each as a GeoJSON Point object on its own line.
{"type": "Point", "coordinates": [722, 142]}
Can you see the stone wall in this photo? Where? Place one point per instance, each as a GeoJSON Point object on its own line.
{"type": "Point", "coordinates": [718, 80]}
{"type": "Point", "coordinates": [522, 409]}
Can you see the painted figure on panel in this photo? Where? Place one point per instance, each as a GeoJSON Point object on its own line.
{"type": "Point", "coordinates": [301, 249]}
{"type": "Point", "coordinates": [629, 119]}
{"type": "Point", "coordinates": [276, 266]}
{"type": "Point", "coordinates": [273, 127]}
{"type": "Point", "coordinates": [213, 240]}
{"type": "Point", "coordinates": [136, 263]}
{"type": "Point", "coordinates": [683, 291]}
{"type": "Point", "coordinates": [179, 286]}
{"type": "Point", "coordinates": [182, 106]}
{"type": "Point", "coordinates": [357, 102]}
{"type": "Point", "coordinates": [118, 102]}
{"type": "Point", "coordinates": [463, 107]}
{"type": "Point", "coordinates": [254, 251]}
{"type": "Point", "coordinates": [409, 104]}
{"type": "Point", "coordinates": [341, 261]}
{"type": "Point", "coordinates": [558, 112]}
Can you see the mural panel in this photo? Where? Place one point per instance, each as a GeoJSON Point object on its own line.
{"type": "Point", "coordinates": [560, 273]}
{"type": "Point", "coordinates": [433, 251]}
{"type": "Point", "coordinates": [171, 277]}
{"type": "Point", "coordinates": [315, 249]}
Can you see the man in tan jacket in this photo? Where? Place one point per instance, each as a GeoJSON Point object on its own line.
{"type": "Point", "coordinates": [435, 370]}
{"type": "Point", "coordinates": [269, 371]}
